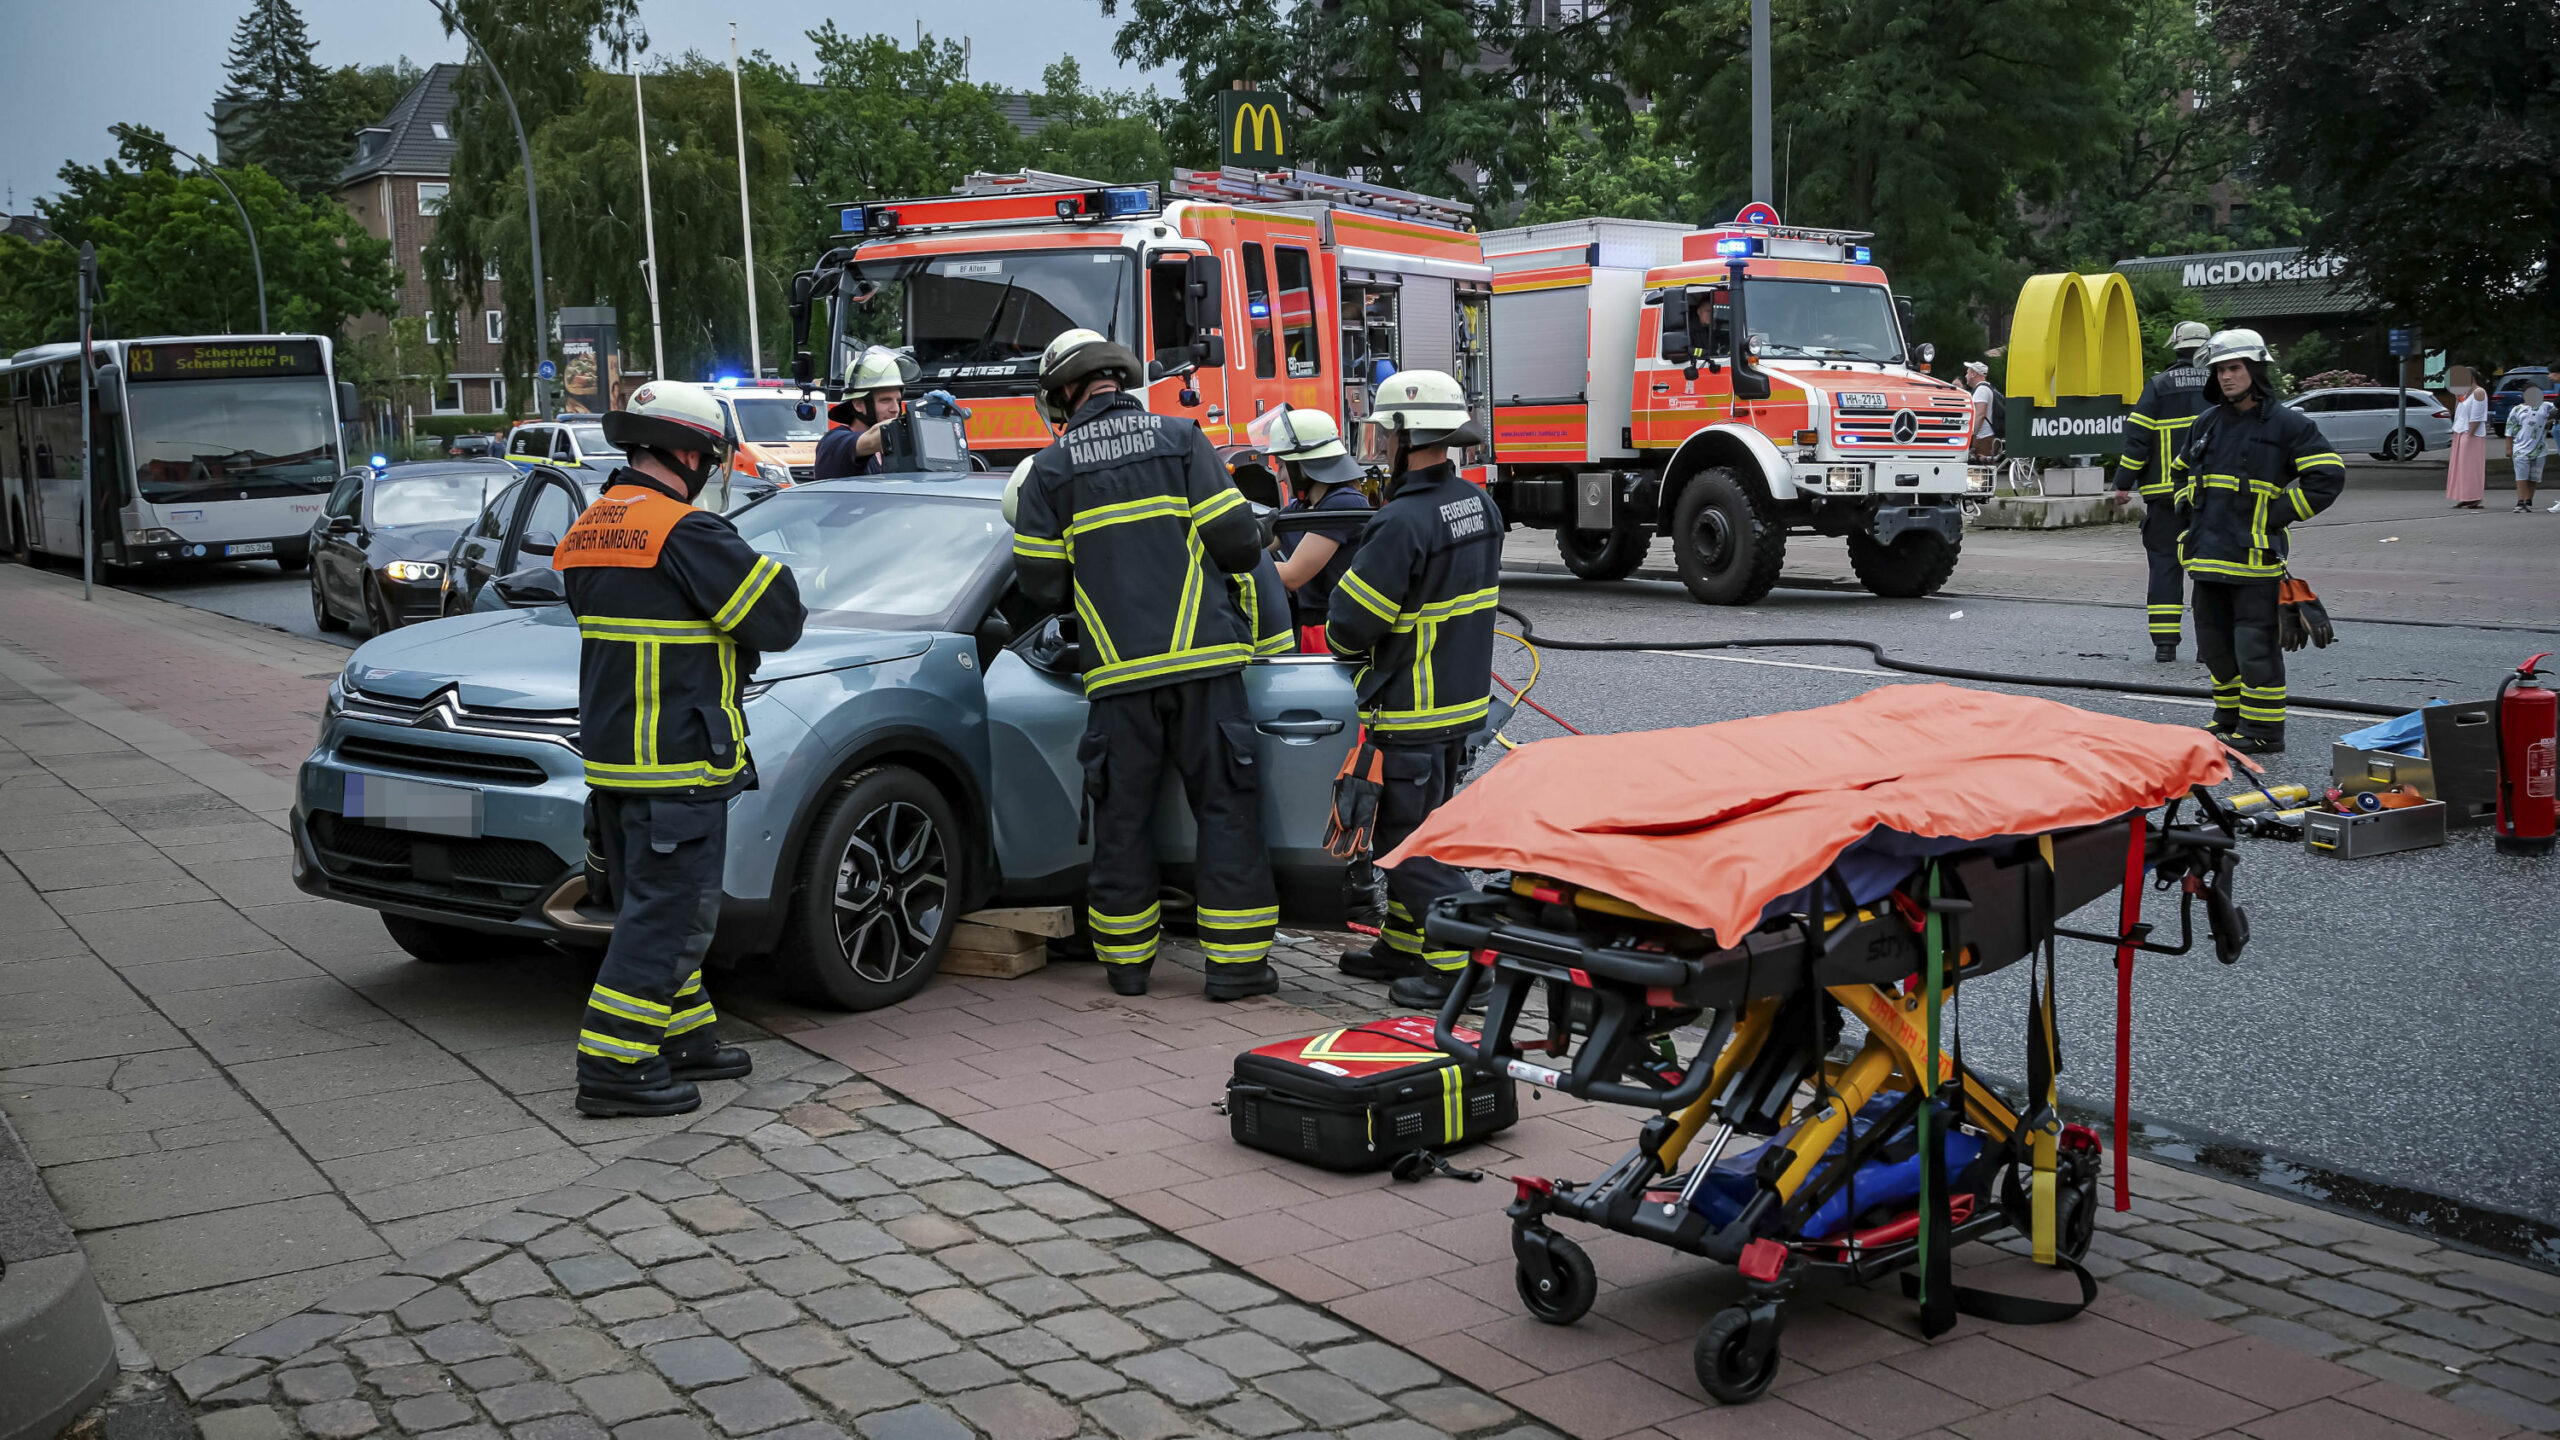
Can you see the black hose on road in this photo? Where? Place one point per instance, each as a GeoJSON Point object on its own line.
{"type": "Point", "coordinates": [1944, 672]}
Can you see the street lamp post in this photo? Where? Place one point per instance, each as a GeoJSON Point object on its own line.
{"type": "Point", "coordinates": [532, 208]}
{"type": "Point", "coordinates": [205, 168]}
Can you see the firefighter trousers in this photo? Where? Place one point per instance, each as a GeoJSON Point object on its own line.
{"type": "Point", "coordinates": [2167, 593]}
{"type": "Point", "coordinates": [2236, 639]}
{"type": "Point", "coordinates": [661, 861]}
{"type": "Point", "coordinates": [1202, 730]}
{"type": "Point", "coordinates": [1419, 779]}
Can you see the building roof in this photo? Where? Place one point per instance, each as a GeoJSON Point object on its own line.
{"type": "Point", "coordinates": [416, 138]}
{"type": "Point", "coordinates": [2256, 284]}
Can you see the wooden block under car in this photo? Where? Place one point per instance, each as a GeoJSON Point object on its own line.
{"type": "Point", "coordinates": [1003, 964]}
{"type": "Point", "coordinates": [1055, 921]}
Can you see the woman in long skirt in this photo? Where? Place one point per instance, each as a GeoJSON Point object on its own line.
{"type": "Point", "coordinates": [2466, 469]}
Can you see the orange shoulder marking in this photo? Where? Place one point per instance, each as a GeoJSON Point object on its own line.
{"type": "Point", "coordinates": [623, 529]}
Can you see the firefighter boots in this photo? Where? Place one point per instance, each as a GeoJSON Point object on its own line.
{"type": "Point", "coordinates": [1426, 991]}
{"type": "Point", "coordinates": [608, 1088]}
{"type": "Point", "coordinates": [701, 1056]}
{"type": "Point", "coordinates": [1130, 978]}
{"type": "Point", "coordinates": [1235, 982]}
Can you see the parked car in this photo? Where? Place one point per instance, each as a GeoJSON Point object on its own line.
{"type": "Point", "coordinates": [378, 550]}
{"type": "Point", "coordinates": [915, 755]}
{"type": "Point", "coordinates": [471, 447]}
{"type": "Point", "coordinates": [2510, 389]}
{"type": "Point", "coordinates": [520, 526]}
{"type": "Point", "coordinates": [576, 445]}
{"type": "Point", "coordinates": [2367, 420]}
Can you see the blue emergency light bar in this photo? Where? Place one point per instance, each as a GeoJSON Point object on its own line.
{"type": "Point", "coordinates": [1259, 309]}
{"type": "Point", "coordinates": [381, 462]}
{"type": "Point", "coordinates": [1858, 254]}
{"type": "Point", "coordinates": [1734, 245]}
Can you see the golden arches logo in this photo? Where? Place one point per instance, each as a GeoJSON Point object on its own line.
{"type": "Point", "coordinates": [1258, 113]}
{"type": "Point", "coordinates": [1255, 113]}
{"type": "Point", "coordinates": [2075, 335]}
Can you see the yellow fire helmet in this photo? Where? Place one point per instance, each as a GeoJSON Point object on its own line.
{"type": "Point", "coordinates": [1013, 488]}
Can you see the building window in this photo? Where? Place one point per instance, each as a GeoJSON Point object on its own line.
{"type": "Point", "coordinates": [438, 127]}
{"type": "Point", "coordinates": [431, 197]}
{"type": "Point", "coordinates": [447, 398]}
{"type": "Point", "coordinates": [497, 397]}
{"type": "Point", "coordinates": [489, 271]}
{"type": "Point", "coordinates": [495, 322]}
{"type": "Point", "coordinates": [431, 329]}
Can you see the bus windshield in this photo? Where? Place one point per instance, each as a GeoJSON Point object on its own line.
{"type": "Point", "coordinates": [775, 421]}
{"type": "Point", "coordinates": [990, 316]}
{"type": "Point", "coordinates": [214, 439]}
{"type": "Point", "coordinates": [1822, 319]}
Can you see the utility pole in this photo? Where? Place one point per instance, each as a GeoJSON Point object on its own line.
{"type": "Point", "coordinates": [649, 228]}
{"type": "Point", "coordinates": [205, 167]}
{"type": "Point", "coordinates": [746, 218]}
{"type": "Point", "coordinates": [1760, 167]}
{"type": "Point", "coordinates": [88, 451]}
{"type": "Point", "coordinates": [532, 210]}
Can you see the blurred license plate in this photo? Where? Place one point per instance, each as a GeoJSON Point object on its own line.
{"type": "Point", "coordinates": [254, 547]}
{"type": "Point", "coordinates": [397, 804]}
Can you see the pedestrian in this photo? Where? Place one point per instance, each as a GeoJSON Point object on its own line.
{"type": "Point", "coordinates": [2466, 468]}
{"type": "Point", "coordinates": [674, 610]}
{"type": "Point", "coordinates": [875, 392]}
{"type": "Point", "coordinates": [1977, 382]}
{"type": "Point", "coordinates": [2529, 443]}
{"type": "Point", "coordinates": [1416, 608]}
{"type": "Point", "coordinates": [2249, 470]}
{"type": "Point", "coordinates": [1129, 519]}
{"type": "Point", "coordinates": [1320, 476]}
{"type": "Point", "coordinates": [2153, 434]}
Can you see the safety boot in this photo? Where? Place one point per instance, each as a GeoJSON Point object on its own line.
{"type": "Point", "coordinates": [1377, 960]}
{"type": "Point", "coordinates": [1427, 991]}
{"type": "Point", "coordinates": [1235, 982]}
{"type": "Point", "coordinates": [610, 1087]}
{"type": "Point", "coordinates": [1129, 979]}
{"type": "Point", "coordinates": [2256, 744]}
{"type": "Point", "coordinates": [2164, 651]}
{"type": "Point", "coordinates": [701, 1056]}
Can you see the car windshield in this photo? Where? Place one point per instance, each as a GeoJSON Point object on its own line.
{"type": "Point", "coordinates": [593, 445]}
{"type": "Point", "coordinates": [452, 498]}
{"type": "Point", "coordinates": [213, 439]}
{"type": "Point", "coordinates": [1823, 319]}
{"type": "Point", "coordinates": [879, 560]}
{"type": "Point", "coordinates": [771, 420]}
{"type": "Point", "coordinates": [990, 316]}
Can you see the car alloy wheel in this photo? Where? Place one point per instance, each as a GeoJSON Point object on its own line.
{"type": "Point", "coordinates": [320, 612]}
{"type": "Point", "coordinates": [892, 885]}
{"type": "Point", "coordinates": [877, 894]}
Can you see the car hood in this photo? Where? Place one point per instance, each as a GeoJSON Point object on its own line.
{"type": "Point", "coordinates": [528, 659]}
{"type": "Point", "coordinates": [411, 542]}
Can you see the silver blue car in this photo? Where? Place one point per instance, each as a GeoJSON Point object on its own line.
{"type": "Point", "coordinates": [916, 757]}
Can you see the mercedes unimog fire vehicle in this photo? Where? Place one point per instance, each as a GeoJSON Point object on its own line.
{"type": "Point", "coordinates": [1246, 290]}
{"type": "Point", "coordinates": [1624, 409]}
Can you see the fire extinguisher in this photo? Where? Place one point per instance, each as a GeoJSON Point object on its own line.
{"type": "Point", "coordinates": [2524, 720]}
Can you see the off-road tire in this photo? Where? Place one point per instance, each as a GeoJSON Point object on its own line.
{"type": "Point", "coordinates": [813, 958]}
{"type": "Point", "coordinates": [441, 944]}
{"type": "Point", "coordinates": [1917, 563]}
{"type": "Point", "coordinates": [1728, 544]}
{"type": "Point", "coordinates": [1597, 555]}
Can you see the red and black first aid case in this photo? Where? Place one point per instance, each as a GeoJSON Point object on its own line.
{"type": "Point", "coordinates": [1359, 1097]}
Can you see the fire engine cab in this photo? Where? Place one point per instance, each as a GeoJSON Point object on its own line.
{"type": "Point", "coordinates": [1725, 388]}
{"type": "Point", "coordinates": [1247, 290]}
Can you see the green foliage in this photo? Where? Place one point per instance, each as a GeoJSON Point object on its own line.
{"type": "Point", "coordinates": [2162, 305]}
{"type": "Point", "coordinates": [2429, 136]}
{"type": "Point", "coordinates": [1638, 174]}
{"type": "Point", "coordinates": [1109, 135]}
{"type": "Point", "coordinates": [395, 363]}
{"type": "Point", "coordinates": [361, 95]}
{"type": "Point", "coordinates": [445, 427]}
{"type": "Point", "coordinates": [289, 116]}
{"type": "Point", "coordinates": [892, 120]}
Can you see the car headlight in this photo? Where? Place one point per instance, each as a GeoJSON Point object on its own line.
{"type": "Point", "coordinates": [152, 536]}
{"type": "Point", "coordinates": [413, 569]}
{"type": "Point", "coordinates": [775, 475]}
{"type": "Point", "coordinates": [1844, 479]}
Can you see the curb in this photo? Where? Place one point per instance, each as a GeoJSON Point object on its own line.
{"type": "Point", "coordinates": [57, 1350]}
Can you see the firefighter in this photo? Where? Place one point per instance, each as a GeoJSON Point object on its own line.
{"type": "Point", "coordinates": [1131, 520]}
{"type": "Point", "coordinates": [2250, 468]}
{"type": "Point", "coordinates": [876, 392]}
{"type": "Point", "coordinates": [2153, 434]}
{"type": "Point", "coordinates": [673, 611]}
{"type": "Point", "coordinates": [1416, 607]}
{"type": "Point", "coordinates": [1321, 475]}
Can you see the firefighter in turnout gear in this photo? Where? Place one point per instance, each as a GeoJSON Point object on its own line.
{"type": "Point", "coordinates": [2250, 468]}
{"type": "Point", "coordinates": [1416, 607]}
{"type": "Point", "coordinates": [1132, 522]}
{"type": "Point", "coordinates": [2153, 434]}
{"type": "Point", "coordinates": [673, 611]}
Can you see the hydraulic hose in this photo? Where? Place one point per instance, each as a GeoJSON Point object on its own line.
{"type": "Point", "coordinates": [1881, 656]}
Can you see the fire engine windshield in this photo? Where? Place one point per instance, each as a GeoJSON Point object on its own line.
{"type": "Point", "coordinates": [991, 315]}
{"type": "Point", "coordinates": [1822, 319]}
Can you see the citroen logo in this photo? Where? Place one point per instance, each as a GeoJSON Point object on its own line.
{"type": "Point", "coordinates": [1906, 427]}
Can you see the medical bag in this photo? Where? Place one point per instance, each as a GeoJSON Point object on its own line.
{"type": "Point", "coordinates": [1360, 1097]}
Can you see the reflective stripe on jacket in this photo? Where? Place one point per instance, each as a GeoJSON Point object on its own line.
{"type": "Point", "coordinates": [2157, 428]}
{"type": "Point", "coordinates": [1133, 519]}
{"type": "Point", "coordinates": [1418, 603]}
{"type": "Point", "coordinates": [674, 610]}
{"type": "Point", "coordinates": [2242, 478]}
{"type": "Point", "coordinates": [1264, 603]}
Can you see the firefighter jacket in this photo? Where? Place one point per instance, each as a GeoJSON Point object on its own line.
{"type": "Point", "coordinates": [673, 612]}
{"type": "Point", "coordinates": [2157, 428]}
{"type": "Point", "coordinates": [1418, 602]}
{"type": "Point", "coordinates": [1264, 603]}
{"type": "Point", "coordinates": [1131, 518]}
{"type": "Point", "coordinates": [2242, 477]}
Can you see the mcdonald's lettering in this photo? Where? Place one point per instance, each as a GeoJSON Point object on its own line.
{"type": "Point", "coordinates": [1255, 133]}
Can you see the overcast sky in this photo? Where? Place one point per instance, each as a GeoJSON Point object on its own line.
{"type": "Point", "coordinates": [69, 70]}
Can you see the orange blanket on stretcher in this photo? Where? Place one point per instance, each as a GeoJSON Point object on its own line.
{"type": "Point", "coordinates": [1707, 825]}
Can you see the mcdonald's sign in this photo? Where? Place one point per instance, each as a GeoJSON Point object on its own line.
{"type": "Point", "coordinates": [2075, 365]}
{"type": "Point", "coordinates": [1253, 129]}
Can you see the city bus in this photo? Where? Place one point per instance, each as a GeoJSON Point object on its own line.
{"type": "Point", "coordinates": [208, 448]}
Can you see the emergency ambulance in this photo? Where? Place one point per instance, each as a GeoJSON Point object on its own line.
{"type": "Point", "coordinates": [1624, 409]}
{"type": "Point", "coordinates": [1245, 290]}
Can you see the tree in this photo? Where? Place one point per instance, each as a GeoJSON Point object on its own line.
{"type": "Point", "coordinates": [1637, 174]}
{"type": "Point", "coordinates": [289, 123]}
{"type": "Point", "coordinates": [2428, 137]}
{"type": "Point", "coordinates": [888, 120]}
{"type": "Point", "coordinates": [1111, 135]}
{"type": "Point", "coordinates": [361, 95]}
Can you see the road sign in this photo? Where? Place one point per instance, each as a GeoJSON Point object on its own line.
{"type": "Point", "coordinates": [2404, 341]}
{"type": "Point", "coordinates": [546, 370]}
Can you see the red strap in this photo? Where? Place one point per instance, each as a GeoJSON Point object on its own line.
{"type": "Point", "coordinates": [2129, 916]}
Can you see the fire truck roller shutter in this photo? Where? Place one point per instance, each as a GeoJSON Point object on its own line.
{"type": "Point", "coordinates": [1430, 306]}
{"type": "Point", "coordinates": [1540, 359]}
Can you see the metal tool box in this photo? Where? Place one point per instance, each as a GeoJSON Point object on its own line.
{"type": "Point", "coordinates": [2379, 832]}
{"type": "Point", "coordinates": [2460, 767]}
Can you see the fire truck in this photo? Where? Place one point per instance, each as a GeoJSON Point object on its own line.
{"type": "Point", "coordinates": [1726, 388]}
{"type": "Point", "coordinates": [1244, 290]}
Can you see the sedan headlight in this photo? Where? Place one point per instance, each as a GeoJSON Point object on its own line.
{"type": "Point", "coordinates": [774, 475]}
{"type": "Point", "coordinates": [413, 569]}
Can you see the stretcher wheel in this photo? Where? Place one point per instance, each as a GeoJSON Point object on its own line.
{"type": "Point", "coordinates": [1575, 1286]}
{"type": "Point", "coordinates": [1723, 1357]}
{"type": "Point", "coordinates": [2081, 1225]}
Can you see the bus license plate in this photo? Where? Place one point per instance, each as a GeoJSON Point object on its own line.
{"type": "Point", "coordinates": [397, 804]}
{"type": "Point", "coordinates": [253, 547]}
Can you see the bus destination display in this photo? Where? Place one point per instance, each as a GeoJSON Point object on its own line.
{"type": "Point", "coordinates": [222, 360]}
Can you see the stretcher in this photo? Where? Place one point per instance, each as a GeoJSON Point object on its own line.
{"type": "Point", "coordinates": [1759, 1141]}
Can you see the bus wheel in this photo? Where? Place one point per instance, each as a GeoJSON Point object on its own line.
{"type": "Point", "coordinates": [18, 537]}
{"type": "Point", "coordinates": [1728, 548]}
{"type": "Point", "coordinates": [293, 564]}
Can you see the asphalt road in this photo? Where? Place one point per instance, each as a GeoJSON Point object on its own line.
{"type": "Point", "coordinates": [253, 590]}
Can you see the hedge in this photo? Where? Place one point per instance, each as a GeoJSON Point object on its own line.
{"type": "Point", "coordinates": [448, 426]}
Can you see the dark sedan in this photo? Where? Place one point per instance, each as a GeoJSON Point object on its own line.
{"type": "Point", "coordinates": [378, 552]}
{"type": "Point", "coordinates": [520, 526]}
